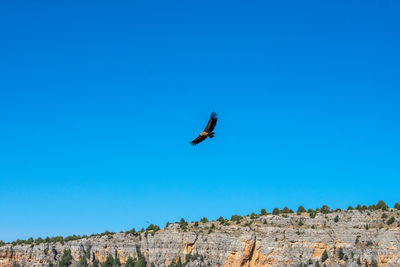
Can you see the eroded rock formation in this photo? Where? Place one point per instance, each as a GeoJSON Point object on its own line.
{"type": "Point", "coordinates": [270, 240]}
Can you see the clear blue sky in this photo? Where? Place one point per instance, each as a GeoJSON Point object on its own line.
{"type": "Point", "coordinates": [99, 101]}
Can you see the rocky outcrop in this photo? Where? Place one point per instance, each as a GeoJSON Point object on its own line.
{"type": "Point", "coordinates": [270, 240]}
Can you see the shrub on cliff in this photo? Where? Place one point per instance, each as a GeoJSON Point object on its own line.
{"type": "Point", "coordinates": [82, 262]}
{"type": "Point", "coordinates": [313, 214]}
{"type": "Point", "coordinates": [95, 263]}
{"type": "Point", "coordinates": [286, 210]}
{"type": "Point", "coordinates": [275, 211]}
{"type": "Point", "coordinates": [111, 262]}
{"type": "Point", "coordinates": [325, 209]}
{"type": "Point", "coordinates": [131, 232]}
{"type": "Point", "coordinates": [340, 253]}
{"type": "Point", "coordinates": [130, 262]}
{"type": "Point", "coordinates": [71, 238]}
{"type": "Point", "coordinates": [176, 264]}
{"type": "Point", "coordinates": [390, 221]}
{"type": "Point", "coordinates": [65, 259]}
{"type": "Point", "coordinates": [204, 220]}
{"type": "Point", "coordinates": [381, 205]}
{"type": "Point", "coordinates": [350, 208]}
{"type": "Point", "coordinates": [141, 261]}
{"type": "Point", "coordinates": [336, 218]}
{"type": "Point", "coordinates": [183, 224]}
{"type": "Point", "coordinates": [107, 233]}
{"type": "Point", "coordinates": [397, 206]}
{"type": "Point", "coordinates": [236, 218]}
{"type": "Point", "coordinates": [300, 209]}
{"type": "Point", "coordinates": [263, 212]}
{"type": "Point", "coordinates": [324, 256]}
{"type": "Point", "coordinates": [153, 228]}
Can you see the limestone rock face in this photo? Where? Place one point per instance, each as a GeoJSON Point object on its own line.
{"type": "Point", "coordinates": [270, 240]}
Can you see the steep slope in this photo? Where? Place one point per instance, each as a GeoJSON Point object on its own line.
{"type": "Point", "coordinates": [348, 237]}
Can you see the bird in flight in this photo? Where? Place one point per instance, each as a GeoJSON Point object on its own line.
{"type": "Point", "coordinates": [208, 131]}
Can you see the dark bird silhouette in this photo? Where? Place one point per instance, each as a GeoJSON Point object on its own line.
{"type": "Point", "coordinates": [208, 131]}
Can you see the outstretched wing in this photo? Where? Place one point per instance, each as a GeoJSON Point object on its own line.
{"type": "Point", "coordinates": [199, 139]}
{"type": "Point", "coordinates": [211, 123]}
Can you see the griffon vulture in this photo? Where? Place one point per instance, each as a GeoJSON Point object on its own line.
{"type": "Point", "coordinates": [208, 131]}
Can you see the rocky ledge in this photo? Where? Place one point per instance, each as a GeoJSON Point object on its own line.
{"type": "Point", "coordinates": [340, 238]}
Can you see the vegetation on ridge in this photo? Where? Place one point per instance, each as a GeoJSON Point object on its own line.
{"type": "Point", "coordinates": [236, 219]}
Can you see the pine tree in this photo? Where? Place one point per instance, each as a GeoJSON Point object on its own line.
{"type": "Point", "coordinates": [275, 211]}
{"type": "Point", "coordinates": [381, 205]}
{"type": "Point", "coordinates": [130, 262]}
{"type": "Point", "coordinates": [263, 212]}
{"type": "Point", "coordinates": [325, 209]}
{"type": "Point", "coordinates": [301, 209]}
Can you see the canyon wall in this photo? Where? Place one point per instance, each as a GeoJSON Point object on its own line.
{"type": "Point", "coordinates": [350, 238]}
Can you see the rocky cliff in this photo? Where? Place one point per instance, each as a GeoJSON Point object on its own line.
{"type": "Point", "coordinates": [350, 238]}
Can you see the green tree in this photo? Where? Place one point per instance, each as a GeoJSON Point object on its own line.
{"type": "Point", "coordinates": [183, 224]}
{"type": "Point", "coordinates": [131, 232]}
{"type": "Point", "coordinates": [141, 262]}
{"type": "Point", "coordinates": [275, 211]}
{"type": "Point", "coordinates": [263, 212]}
{"type": "Point", "coordinates": [313, 214]}
{"type": "Point", "coordinates": [324, 256]}
{"type": "Point", "coordinates": [117, 262]}
{"type": "Point", "coordinates": [336, 218]}
{"type": "Point", "coordinates": [66, 258]}
{"type": "Point", "coordinates": [38, 240]}
{"type": "Point", "coordinates": [95, 263]}
{"type": "Point", "coordinates": [130, 262]}
{"type": "Point", "coordinates": [350, 208]}
{"type": "Point", "coordinates": [397, 206]}
{"type": "Point", "coordinates": [82, 262]}
{"type": "Point", "coordinates": [108, 262]}
{"type": "Point", "coordinates": [221, 219]}
{"type": "Point", "coordinates": [325, 209]}
{"type": "Point", "coordinates": [236, 218]}
{"type": "Point", "coordinates": [285, 210]}
{"type": "Point", "coordinates": [301, 209]}
{"type": "Point", "coordinates": [204, 220]}
{"type": "Point", "coordinates": [153, 228]}
{"type": "Point", "coordinates": [179, 263]}
{"type": "Point", "coordinates": [381, 205]}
